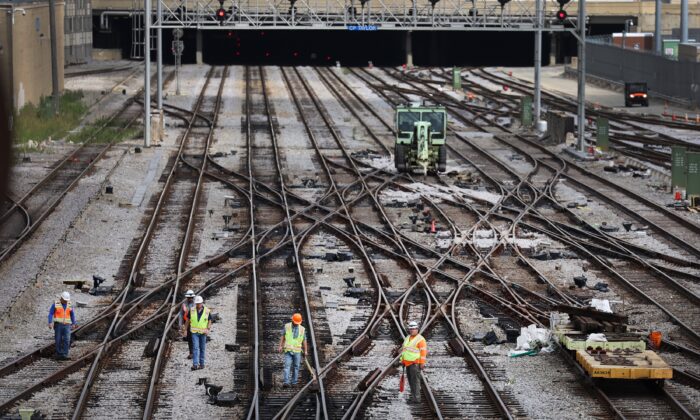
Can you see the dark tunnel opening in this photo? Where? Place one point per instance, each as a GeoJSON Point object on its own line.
{"type": "Point", "coordinates": [385, 48]}
{"type": "Point", "coordinates": [350, 48]}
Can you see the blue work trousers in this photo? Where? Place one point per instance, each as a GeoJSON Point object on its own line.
{"type": "Point", "coordinates": [199, 346]}
{"type": "Point", "coordinates": [289, 358]}
{"type": "Point", "coordinates": [62, 336]}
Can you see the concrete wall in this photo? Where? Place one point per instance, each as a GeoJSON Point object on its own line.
{"type": "Point", "coordinates": [680, 79]}
{"type": "Point", "coordinates": [26, 51]}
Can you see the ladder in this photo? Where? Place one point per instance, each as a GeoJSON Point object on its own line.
{"type": "Point", "coordinates": [137, 32]}
{"type": "Point", "coordinates": [138, 38]}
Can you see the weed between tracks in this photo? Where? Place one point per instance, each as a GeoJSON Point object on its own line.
{"type": "Point", "coordinates": [115, 132]}
{"type": "Point", "coordinates": [38, 123]}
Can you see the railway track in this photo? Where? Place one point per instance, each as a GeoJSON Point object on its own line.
{"type": "Point", "coordinates": [643, 145]}
{"type": "Point", "coordinates": [24, 214]}
{"type": "Point", "coordinates": [127, 317]}
{"type": "Point", "coordinates": [297, 240]}
{"type": "Point", "coordinates": [535, 159]}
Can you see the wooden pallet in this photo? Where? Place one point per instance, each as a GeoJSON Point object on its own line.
{"type": "Point", "coordinates": [632, 365]}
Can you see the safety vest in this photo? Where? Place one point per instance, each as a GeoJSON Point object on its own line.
{"type": "Point", "coordinates": [410, 351]}
{"type": "Point", "coordinates": [60, 315]}
{"type": "Point", "coordinates": [290, 343]}
{"type": "Point", "coordinates": [197, 326]}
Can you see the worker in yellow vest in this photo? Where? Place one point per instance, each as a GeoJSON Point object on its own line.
{"type": "Point", "coordinates": [291, 343]}
{"type": "Point", "coordinates": [184, 319]}
{"type": "Point", "coordinates": [200, 326]}
{"type": "Point", "coordinates": [413, 355]}
{"type": "Point", "coordinates": [62, 321]}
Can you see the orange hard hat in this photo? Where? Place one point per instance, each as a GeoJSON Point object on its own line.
{"type": "Point", "coordinates": [296, 318]}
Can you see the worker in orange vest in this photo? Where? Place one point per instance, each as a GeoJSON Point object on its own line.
{"type": "Point", "coordinates": [413, 355]}
{"type": "Point", "coordinates": [62, 321]}
{"type": "Point", "coordinates": [292, 343]}
{"type": "Point", "coordinates": [183, 319]}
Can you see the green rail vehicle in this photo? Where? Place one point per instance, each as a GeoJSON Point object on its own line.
{"type": "Point", "coordinates": [420, 138]}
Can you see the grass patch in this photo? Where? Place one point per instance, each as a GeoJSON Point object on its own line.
{"type": "Point", "coordinates": [38, 123]}
{"type": "Point", "coordinates": [114, 132]}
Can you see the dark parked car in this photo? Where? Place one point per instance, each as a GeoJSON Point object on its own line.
{"type": "Point", "coordinates": [636, 93]}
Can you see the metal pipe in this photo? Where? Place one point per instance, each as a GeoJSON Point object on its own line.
{"type": "Point", "coordinates": [104, 21]}
{"type": "Point", "coordinates": [538, 59]}
{"type": "Point", "coordinates": [657, 28]}
{"type": "Point", "coordinates": [10, 87]}
{"type": "Point", "coordinates": [581, 74]}
{"type": "Point", "coordinates": [147, 73]}
{"type": "Point", "coordinates": [159, 54]}
{"type": "Point", "coordinates": [54, 57]}
{"type": "Point", "coordinates": [684, 20]}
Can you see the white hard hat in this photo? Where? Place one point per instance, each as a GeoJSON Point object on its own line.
{"type": "Point", "coordinates": [65, 296]}
{"type": "Point", "coordinates": [189, 293]}
{"type": "Point", "coordinates": [412, 325]}
{"type": "Point", "coordinates": [198, 299]}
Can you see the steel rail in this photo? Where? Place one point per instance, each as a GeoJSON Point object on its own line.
{"type": "Point", "coordinates": [138, 259]}
{"type": "Point", "coordinates": [673, 402]}
{"type": "Point", "coordinates": [475, 364]}
{"type": "Point", "coordinates": [152, 395]}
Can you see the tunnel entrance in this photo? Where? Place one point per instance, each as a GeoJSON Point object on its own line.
{"type": "Point", "coordinates": [383, 48]}
{"type": "Point", "coordinates": [351, 48]}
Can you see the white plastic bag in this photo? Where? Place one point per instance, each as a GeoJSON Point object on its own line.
{"type": "Point", "coordinates": [531, 336]}
{"type": "Point", "coordinates": [597, 337]}
{"type": "Point", "coordinates": [602, 305]}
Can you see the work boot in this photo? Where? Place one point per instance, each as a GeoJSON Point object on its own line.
{"type": "Point", "coordinates": [189, 356]}
{"type": "Point", "coordinates": [195, 367]}
{"type": "Point", "coordinates": [285, 385]}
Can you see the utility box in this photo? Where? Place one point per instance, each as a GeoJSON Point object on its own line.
{"type": "Point", "coordinates": [634, 40]}
{"type": "Point", "coordinates": [526, 111]}
{"type": "Point", "coordinates": [456, 78]}
{"type": "Point", "coordinates": [693, 187]}
{"type": "Point", "coordinates": [558, 125]}
{"type": "Point", "coordinates": [689, 52]}
{"type": "Point", "coordinates": [678, 168]}
{"type": "Point", "coordinates": [670, 47]}
{"type": "Point", "coordinates": [602, 134]}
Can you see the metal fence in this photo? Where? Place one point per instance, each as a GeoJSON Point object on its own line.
{"type": "Point", "coordinates": [670, 77]}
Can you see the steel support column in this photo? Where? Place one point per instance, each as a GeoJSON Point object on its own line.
{"type": "Point", "coordinates": [684, 20]}
{"type": "Point", "coordinates": [147, 73]}
{"type": "Point", "coordinates": [409, 50]}
{"type": "Point", "coordinates": [581, 74]}
{"type": "Point", "coordinates": [55, 91]}
{"type": "Point", "coordinates": [657, 28]}
{"type": "Point", "coordinates": [538, 60]}
{"type": "Point", "coordinates": [159, 55]}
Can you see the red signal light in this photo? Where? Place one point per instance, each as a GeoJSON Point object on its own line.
{"type": "Point", "coordinates": [295, 54]}
{"type": "Point", "coordinates": [221, 14]}
{"type": "Point", "coordinates": [562, 15]}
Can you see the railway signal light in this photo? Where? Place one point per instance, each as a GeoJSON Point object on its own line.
{"type": "Point", "coordinates": [561, 13]}
{"type": "Point", "coordinates": [221, 15]}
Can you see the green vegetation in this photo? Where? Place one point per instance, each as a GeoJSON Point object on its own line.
{"type": "Point", "coordinates": [38, 123]}
{"type": "Point", "coordinates": [114, 132]}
